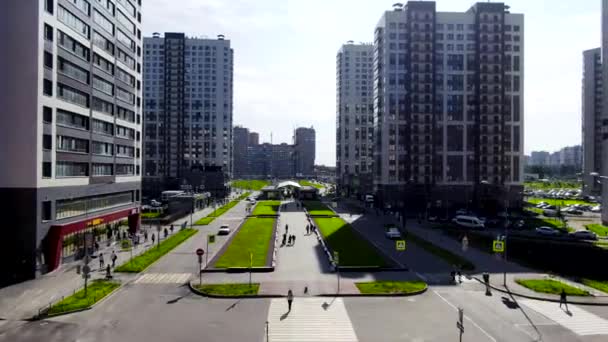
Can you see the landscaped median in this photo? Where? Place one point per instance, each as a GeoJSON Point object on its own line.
{"type": "Point", "coordinates": [598, 229]}
{"type": "Point", "coordinates": [447, 256]}
{"type": "Point", "coordinates": [142, 261]}
{"type": "Point", "coordinates": [252, 184]}
{"type": "Point", "coordinates": [220, 211]}
{"type": "Point", "coordinates": [250, 246]}
{"type": "Point", "coordinates": [551, 286]}
{"type": "Point", "coordinates": [596, 284]}
{"type": "Point", "coordinates": [96, 291]}
{"type": "Point", "coordinates": [227, 290]}
{"type": "Point", "coordinates": [316, 208]}
{"type": "Point", "coordinates": [308, 183]}
{"type": "Point", "coordinates": [391, 287]}
{"type": "Point", "coordinates": [266, 208]}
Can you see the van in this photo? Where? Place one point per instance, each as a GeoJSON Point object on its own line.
{"type": "Point", "coordinates": [468, 222]}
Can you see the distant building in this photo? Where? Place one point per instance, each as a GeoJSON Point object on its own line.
{"type": "Point", "coordinates": [304, 151]}
{"type": "Point", "coordinates": [240, 143]}
{"type": "Point", "coordinates": [254, 139]}
{"type": "Point", "coordinates": [539, 158]}
{"type": "Point", "coordinates": [592, 119]}
{"type": "Point", "coordinates": [270, 161]}
{"type": "Point", "coordinates": [571, 156]}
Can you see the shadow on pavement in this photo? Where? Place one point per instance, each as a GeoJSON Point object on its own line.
{"type": "Point", "coordinates": [233, 305]}
{"type": "Point", "coordinates": [509, 303]}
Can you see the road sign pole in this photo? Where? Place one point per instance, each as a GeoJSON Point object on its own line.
{"type": "Point", "coordinates": [250, 266]}
{"type": "Point", "coordinates": [460, 322]}
{"type": "Point", "coordinates": [207, 255]}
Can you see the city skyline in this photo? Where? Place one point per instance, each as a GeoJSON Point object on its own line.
{"type": "Point", "coordinates": [274, 88]}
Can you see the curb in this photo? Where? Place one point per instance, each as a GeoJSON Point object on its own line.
{"type": "Point", "coordinates": [202, 294]}
{"type": "Point", "coordinates": [539, 298]}
{"type": "Point", "coordinates": [372, 269]}
{"type": "Point", "coordinates": [377, 294]}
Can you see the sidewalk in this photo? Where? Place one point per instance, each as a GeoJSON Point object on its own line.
{"type": "Point", "coordinates": [23, 300]}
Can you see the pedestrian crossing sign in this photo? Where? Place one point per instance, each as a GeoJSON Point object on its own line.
{"type": "Point", "coordinates": [498, 246]}
{"type": "Point", "coordinates": [400, 244]}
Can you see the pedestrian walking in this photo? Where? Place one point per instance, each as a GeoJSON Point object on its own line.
{"type": "Point", "coordinates": [289, 299]}
{"type": "Point", "coordinates": [307, 229]}
{"type": "Point", "coordinates": [284, 239]}
{"type": "Point", "coordinates": [293, 239]}
{"type": "Point", "coordinates": [108, 272]}
{"type": "Point", "coordinates": [100, 261]}
{"type": "Point", "coordinates": [171, 229]}
{"type": "Point", "coordinates": [153, 238]}
{"type": "Point", "coordinates": [145, 236]}
{"type": "Point", "coordinates": [286, 229]}
{"type": "Point", "coordinates": [563, 300]}
{"type": "Point", "coordinates": [166, 233]}
{"type": "Point", "coordinates": [96, 246]}
{"type": "Point", "coordinates": [113, 257]}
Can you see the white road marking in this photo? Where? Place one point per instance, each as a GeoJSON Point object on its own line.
{"type": "Point", "coordinates": [580, 321]}
{"type": "Point", "coordinates": [313, 319]}
{"type": "Point", "coordinates": [466, 317]}
{"type": "Point", "coordinates": [163, 278]}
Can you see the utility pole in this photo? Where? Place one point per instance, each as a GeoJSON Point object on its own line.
{"type": "Point", "coordinates": [504, 278]}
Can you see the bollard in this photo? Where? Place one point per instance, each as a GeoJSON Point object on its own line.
{"type": "Point", "coordinates": [486, 280]}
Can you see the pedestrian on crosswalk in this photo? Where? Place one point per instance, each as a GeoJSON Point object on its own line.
{"type": "Point", "coordinates": [289, 299]}
{"type": "Point", "coordinates": [563, 300]}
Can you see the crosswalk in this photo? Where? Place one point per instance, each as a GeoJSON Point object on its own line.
{"type": "Point", "coordinates": [312, 319]}
{"type": "Point", "coordinates": [163, 278]}
{"type": "Point", "coordinates": [581, 322]}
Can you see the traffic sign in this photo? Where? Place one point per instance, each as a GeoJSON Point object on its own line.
{"type": "Point", "coordinates": [200, 251]}
{"type": "Point", "coordinates": [498, 246]}
{"type": "Point", "coordinates": [400, 245]}
{"type": "Point", "coordinates": [86, 269]}
{"type": "Point", "coordinates": [211, 238]}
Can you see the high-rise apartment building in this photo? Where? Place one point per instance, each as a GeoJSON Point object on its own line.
{"type": "Point", "coordinates": [354, 118]}
{"type": "Point", "coordinates": [448, 107]}
{"type": "Point", "coordinates": [304, 151]}
{"type": "Point", "coordinates": [254, 138]}
{"type": "Point", "coordinates": [592, 119]}
{"type": "Point", "coordinates": [539, 158]}
{"type": "Point", "coordinates": [188, 86]}
{"type": "Point", "coordinates": [240, 142]}
{"type": "Point", "coordinates": [70, 133]}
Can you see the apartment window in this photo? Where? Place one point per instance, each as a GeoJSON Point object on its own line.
{"type": "Point", "coordinates": [71, 144]}
{"type": "Point", "coordinates": [47, 114]}
{"type": "Point", "coordinates": [73, 120]}
{"type": "Point", "coordinates": [124, 39]}
{"type": "Point", "coordinates": [49, 5]}
{"type": "Point", "coordinates": [73, 71]}
{"type": "Point", "coordinates": [102, 148]}
{"type": "Point", "coordinates": [69, 19]}
{"type": "Point", "coordinates": [516, 109]}
{"type": "Point", "coordinates": [125, 58]}
{"type": "Point", "coordinates": [125, 169]}
{"type": "Point", "coordinates": [123, 20]}
{"type": "Point", "coordinates": [46, 206]}
{"type": "Point", "coordinates": [125, 132]}
{"type": "Point", "coordinates": [103, 85]}
{"type": "Point", "coordinates": [125, 114]}
{"type": "Point", "coordinates": [100, 41]}
{"type": "Point", "coordinates": [82, 5]}
{"type": "Point", "coordinates": [109, 5]}
{"type": "Point", "coordinates": [68, 43]}
{"type": "Point", "coordinates": [515, 83]}
{"type": "Point", "coordinates": [515, 63]}
{"type": "Point", "coordinates": [48, 60]}
{"type": "Point", "coordinates": [103, 22]}
{"type": "Point", "coordinates": [102, 169]}
{"type": "Point", "coordinates": [79, 206]}
{"type": "Point", "coordinates": [103, 64]}
{"type": "Point", "coordinates": [103, 127]}
{"type": "Point", "coordinates": [128, 6]}
{"type": "Point", "coordinates": [47, 87]}
{"type": "Point", "coordinates": [125, 77]}
{"type": "Point", "coordinates": [72, 95]}
{"type": "Point", "coordinates": [125, 95]}
{"type": "Point", "coordinates": [103, 106]}
{"type": "Point", "coordinates": [48, 32]}
{"type": "Point", "coordinates": [125, 151]}
{"type": "Point", "coordinates": [47, 141]}
{"type": "Point", "coordinates": [47, 169]}
{"type": "Point", "coordinates": [71, 169]}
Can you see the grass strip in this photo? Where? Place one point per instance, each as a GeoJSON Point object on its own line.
{"type": "Point", "coordinates": [557, 202]}
{"type": "Point", "coordinates": [598, 229]}
{"type": "Point", "coordinates": [552, 185]}
{"type": "Point", "coordinates": [353, 250]}
{"type": "Point", "coordinates": [308, 183]}
{"type": "Point", "coordinates": [229, 289]}
{"type": "Point", "coordinates": [447, 256]}
{"type": "Point", "coordinates": [316, 208]}
{"type": "Point", "coordinates": [550, 286]}
{"type": "Point", "coordinates": [151, 214]}
{"type": "Point", "coordinates": [253, 184]}
{"type": "Point", "coordinates": [220, 211]}
{"type": "Point", "coordinates": [253, 237]}
{"type": "Point", "coordinates": [597, 284]}
{"type": "Point", "coordinates": [266, 208]}
{"type": "Point", "coordinates": [96, 290]}
{"type": "Point", "coordinates": [389, 287]}
{"type": "Point", "coordinates": [142, 261]}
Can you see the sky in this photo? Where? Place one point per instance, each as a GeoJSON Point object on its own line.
{"type": "Point", "coordinates": [285, 59]}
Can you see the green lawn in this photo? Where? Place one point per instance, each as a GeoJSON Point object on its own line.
{"type": "Point", "coordinates": [353, 250]}
{"type": "Point", "coordinates": [598, 229]}
{"type": "Point", "coordinates": [550, 286]}
{"type": "Point", "coordinates": [447, 256]}
{"type": "Point", "coordinates": [552, 185]}
{"type": "Point", "coordinates": [220, 211]}
{"type": "Point", "coordinates": [96, 290]}
{"type": "Point", "coordinates": [253, 237]}
{"type": "Point", "coordinates": [267, 208]}
{"type": "Point", "coordinates": [557, 202]}
{"type": "Point", "coordinates": [253, 184]}
{"type": "Point", "coordinates": [308, 183]}
{"type": "Point", "coordinates": [379, 287]}
{"type": "Point", "coordinates": [229, 289]}
{"type": "Point", "coordinates": [151, 214]}
{"type": "Point", "coordinates": [317, 208]}
{"type": "Point", "coordinates": [142, 261]}
{"type": "Point", "coordinates": [596, 284]}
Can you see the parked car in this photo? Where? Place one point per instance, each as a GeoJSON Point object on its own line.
{"type": "Point", "coordinates": [155, 203]}
{"type": "Point", "coordinates": [546, 231]}
{"type": "Point", "coordinates": [550, 212]}
{"type": "Point", "coordinates": [224, 230]}
{"type": "Point", "coordinates": [583, 235]}
{"type": "Point", "coordinates": [468, 222]}
{"type": "Point", "coordinates": [574, 211]}
{"type": "Point", "coordinates": [392, 233]}
{"type": "Point", "coordinates": [596, 209]}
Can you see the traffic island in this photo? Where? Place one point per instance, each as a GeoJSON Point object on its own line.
{"type": "Point", "coordinates": [147, 258]}
{"type": "Point", "coordinates": [551, 286]}
{"type": "Point", "coordinates": [220, 211]}
{"type": "Point", "coordinates": [96, 291]}
{"type": "Point", "coordinates": [392, 288]}
{"type": "Point", "coordinates": [235, 290]}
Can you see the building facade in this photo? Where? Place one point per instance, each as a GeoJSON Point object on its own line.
{"type": "Point", "coordinates": [254, 138]}
{"type": "Point", "coordinates": [71, 129]}
{"type": "Point", "coordinates": [354, 118]}
{"type": "Point", "coordinates": [187, 107]}
{"type": "Point", "coordinates": [592, 119]}
{"type": "Point", "coordinates": [539, 158]}
{"type": "Point", "coordinates": [304, 145]}
{"type": "Point", "coordinates": [448, 107]}
{"type": "Point", "coordinates": [240, 142]}
{"type": "Point", "coordinates": [266, 161]}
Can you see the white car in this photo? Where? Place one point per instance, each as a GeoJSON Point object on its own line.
{"type": "Point", "coordinates": [584, 235]}
{"type": "Point", "coordinates": [546, 231]}
{"type": "Point", "coordinates": [392, 233]}
{"type": "Point", "coordinates": [224, 230]}
{"type": "Point", "coordinates": [468, 222]}
{"type": "Point", "coordinates": [596, 209]}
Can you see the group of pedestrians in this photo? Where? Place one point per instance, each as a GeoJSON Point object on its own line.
{"type": "Point", "coordinates": [288, 240]}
